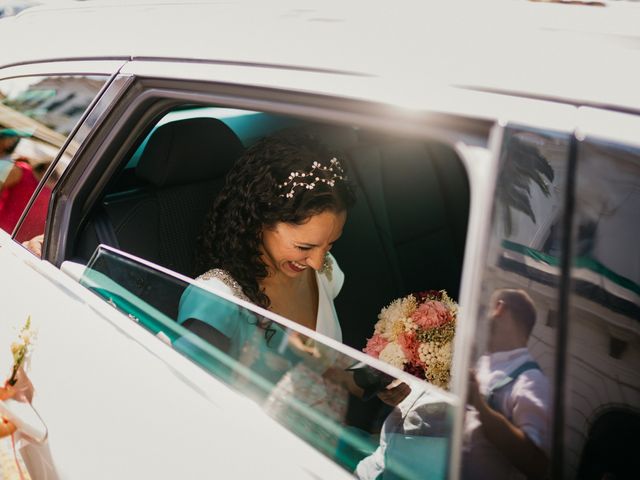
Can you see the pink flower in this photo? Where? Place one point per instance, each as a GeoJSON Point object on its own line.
{"type": "Point", "coordinates": [409, 345]}
{"type": "Point", "coordinates": [375, 345]}
{"type": "Point", "coordinates": [431, 314]}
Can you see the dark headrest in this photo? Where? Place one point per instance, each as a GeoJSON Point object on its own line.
{"type": "Point", "coordinates": [188, 151]}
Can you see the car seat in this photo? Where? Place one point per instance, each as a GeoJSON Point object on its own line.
{"type": "Point", "coordinates": [179, 174]}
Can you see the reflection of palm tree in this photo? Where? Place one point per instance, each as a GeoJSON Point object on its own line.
{"type": "Point", "coordinates": [522, 164]}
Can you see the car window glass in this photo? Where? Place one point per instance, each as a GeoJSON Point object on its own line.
{"type": "Point", "coordinates": [300, 380]}
{"type": "Point", "coordinates": [602, 393]}
{"type": "Point", "coordinates": [514, 362]}
{"type": "Point", "coordinates": [36, 116]}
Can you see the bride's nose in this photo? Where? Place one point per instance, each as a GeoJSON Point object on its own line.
{"type": "Point", "coordinates": [316, 259]}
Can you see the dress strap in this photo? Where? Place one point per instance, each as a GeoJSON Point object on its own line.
{"type": "Point", "coordinates": [226, 278]}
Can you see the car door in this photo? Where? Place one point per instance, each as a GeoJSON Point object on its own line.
{"type": "Point", "coordinates": [124, 398]}
{"type": "Point", "coordinates": [130, 119]}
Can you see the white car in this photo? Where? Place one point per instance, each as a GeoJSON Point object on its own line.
{"type": "Point", "coordinates": [493, 145]}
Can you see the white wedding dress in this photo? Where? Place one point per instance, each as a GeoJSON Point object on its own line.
{"type": "Point", "coordinates": [294, 378]}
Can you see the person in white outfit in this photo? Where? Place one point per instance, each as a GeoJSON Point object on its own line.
{"type": "Point", "coordinates": [507, 424]}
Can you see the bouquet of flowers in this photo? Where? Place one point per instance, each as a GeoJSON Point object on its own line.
{"type": "Point", "coordinates": [415, 334]}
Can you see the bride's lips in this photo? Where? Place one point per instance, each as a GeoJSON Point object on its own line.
{"type": "Point", "coordinates": [295, 267]}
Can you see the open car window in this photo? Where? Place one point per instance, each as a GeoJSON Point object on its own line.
{"type": "Point", "coordinates": [300, 378]}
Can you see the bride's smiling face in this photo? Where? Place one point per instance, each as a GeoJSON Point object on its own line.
{"type": "Point", "coordinates": [291, 249]}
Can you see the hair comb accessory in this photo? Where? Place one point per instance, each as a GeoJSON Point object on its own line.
{"type": "Point", "coordinates": [327, 174]}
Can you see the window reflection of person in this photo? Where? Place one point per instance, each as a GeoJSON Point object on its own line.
{"type": "Point", "coordinates": [9, 174]}
{"type": "Point", "coordinates": [19, 178]}
{"type": "Point", "coordinates": [506, 427]}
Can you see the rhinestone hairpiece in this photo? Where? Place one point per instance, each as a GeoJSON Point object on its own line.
{"type": "Point", "coordinates": [308, 180]}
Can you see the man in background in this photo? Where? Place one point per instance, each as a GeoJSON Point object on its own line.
{"type": "Point", "coordinates": [507, 424]}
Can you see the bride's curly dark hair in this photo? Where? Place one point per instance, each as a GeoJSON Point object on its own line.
{"type": "Point", "coordinates": [252, 200]}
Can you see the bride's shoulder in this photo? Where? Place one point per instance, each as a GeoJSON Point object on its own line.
{"type": "Point", "coordinates": [222, 280]}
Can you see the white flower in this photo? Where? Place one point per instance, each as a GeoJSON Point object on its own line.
{"type": "Point", "coordinates": [28, 336]}
{"type": "Point", "coordinates": [393, 355]}
{"type": "Point", "coordinates": [445, 352]}
{"type": "Point", "coordinates": [431, 352]}
{"type": "Point", "coordinates": [392, 319]}
{"type": "Point", "coordinates": [409, 325]}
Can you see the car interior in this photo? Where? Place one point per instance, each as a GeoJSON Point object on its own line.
{"type": "Point", "coordinates": [406, 232]}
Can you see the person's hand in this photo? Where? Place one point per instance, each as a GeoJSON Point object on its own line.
{"type": "Point", "coordinates": [35, 245]}
{"type": "Point", "coordinates": [394, 393]}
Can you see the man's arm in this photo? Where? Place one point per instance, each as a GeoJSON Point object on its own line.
{"type": "Point", "coordinates": [514, 444]}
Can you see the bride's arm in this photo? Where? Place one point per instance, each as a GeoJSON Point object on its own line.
{"type": "Point", "coordinates": [208, 333]}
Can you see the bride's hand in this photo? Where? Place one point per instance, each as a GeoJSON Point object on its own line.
{"type": "Point", "coordinates": [394, 393]}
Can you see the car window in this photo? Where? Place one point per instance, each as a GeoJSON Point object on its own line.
{"type": "Point", "coordinates": [297, 376]}
{"type": "Point", "coordinates": [36, 116]}
{"type": "Point", "coordinates": [514, 365]}
{"type": "Point", "coordinates": [602, 395]}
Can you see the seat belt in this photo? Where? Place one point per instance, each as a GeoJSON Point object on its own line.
{"type": "Point", "coordinates": [531, 365]}
{"type": "Point", "coordinates": [104, 229]}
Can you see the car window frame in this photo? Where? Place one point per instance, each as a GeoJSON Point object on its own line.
{"type": "Point", "coordinates": [105, 68]}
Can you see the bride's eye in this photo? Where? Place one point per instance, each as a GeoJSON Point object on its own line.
{"type": "Point", "coordinates": [302, 247]}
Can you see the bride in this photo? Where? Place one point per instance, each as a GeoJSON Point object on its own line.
{"type": "Point", "coordinates": [267, 240]}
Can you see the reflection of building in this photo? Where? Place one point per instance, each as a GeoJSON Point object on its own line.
{"type": "Point", "coordinates": [57, 102]}
{"type": "Point", "coordinates": [602, 392]}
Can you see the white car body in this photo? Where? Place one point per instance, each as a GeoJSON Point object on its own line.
{"type": "Point", "coordinates": [121, 403]}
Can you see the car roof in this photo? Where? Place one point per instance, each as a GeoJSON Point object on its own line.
{"type": "Point", "coordinates": [580, 54]}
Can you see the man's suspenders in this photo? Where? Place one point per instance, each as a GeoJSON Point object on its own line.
{"type": "Point", "coordinates": [507, 380]}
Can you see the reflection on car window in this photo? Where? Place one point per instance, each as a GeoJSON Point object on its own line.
{"type": "Point", "coordinates": [515, 344]}
{"type": "Point", "coordinates": [36, 116]}
{"type": "Point", "coordinates": [602, 353]}
{"type": "Point", "coordinates": [300, 380]}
